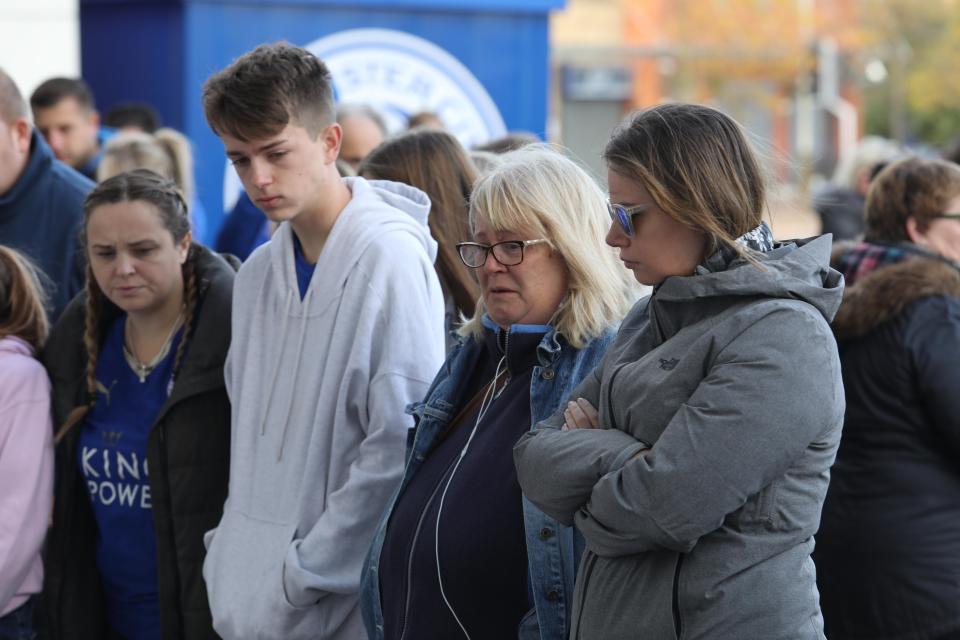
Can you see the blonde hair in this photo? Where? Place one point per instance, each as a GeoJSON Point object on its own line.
{"type": "Point", "coordinates": [537, 189]}
{"type": "Point", "coordinates": [22, 299]}
{"type": "Point", "coordinates": [165, 152]}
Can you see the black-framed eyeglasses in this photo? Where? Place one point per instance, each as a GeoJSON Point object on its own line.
{"type": "Point", "coordinates": [509, 253]}
{"type": "Point", "coordinates": [950, 215]}
{"type": "Point", "coordinates": [624, 215]}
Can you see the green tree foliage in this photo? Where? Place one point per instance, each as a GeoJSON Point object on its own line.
{"type": "Point", "coordinates": [919, 42]}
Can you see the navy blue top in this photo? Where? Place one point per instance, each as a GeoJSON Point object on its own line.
{"type": "Point", "coordinates": [112, 457]}
{"type": "Point", "coordinates": [244, 229]}
{"type": "Point", "coordinates": [483, 554]}
{"type": "Point", "coordinates": [304, 269]}
{"type": "Point", "coordinates": [41, 215]}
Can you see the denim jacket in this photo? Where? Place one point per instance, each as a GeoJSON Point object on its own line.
{"type": "Point", "coordinates": [553, 550]}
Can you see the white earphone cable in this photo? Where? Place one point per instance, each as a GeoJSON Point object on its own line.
{"type": "Point", "coordinates": [491, 394]}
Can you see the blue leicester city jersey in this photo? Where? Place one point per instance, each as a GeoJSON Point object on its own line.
{"type": "Point", "coordinates": [112, 457]}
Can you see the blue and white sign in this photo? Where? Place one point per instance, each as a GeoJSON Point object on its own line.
{"type": "Point", "coordinates": [400, 74]}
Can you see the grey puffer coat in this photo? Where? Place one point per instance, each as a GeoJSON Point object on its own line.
{"type": "Point", "coordinates": [732, 378]}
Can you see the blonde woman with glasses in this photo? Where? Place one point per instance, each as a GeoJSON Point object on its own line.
{"type": "Point", "coordinates": [460, 553]}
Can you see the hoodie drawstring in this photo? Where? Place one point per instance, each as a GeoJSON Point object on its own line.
{"type": "Point", "coordinates": [276, 365]}
{"type": "Point", "coordinates": [296, 369]}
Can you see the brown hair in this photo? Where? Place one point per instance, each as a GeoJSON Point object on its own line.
{"type": "Point", "coordinates": [434, 162]}
{"type": "Point", "coordinates": [22, 299]}
{"type": "Point", "coordinates": [697, 165]}
{"type": "Point", "coordinates": [52, 91]}
{"type": "Point", "coordinates": [509, 142]}
{"type": "Point", "coordinates": [266, 89]}
{"type": "Point", "coordinates": [912, 187]}
{"type": "Point", "coordinates": [144, 186]}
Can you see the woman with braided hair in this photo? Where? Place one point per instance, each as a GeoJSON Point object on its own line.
{"type": "Point", "coordinates": [142, 444]}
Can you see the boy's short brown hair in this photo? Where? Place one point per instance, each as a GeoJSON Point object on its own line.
{"type": "Point", "coordinates": [268, 88]}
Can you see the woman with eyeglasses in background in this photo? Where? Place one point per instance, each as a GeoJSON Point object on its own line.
{"type": "Point", "coordinates": [694, 460]}
{"type": "Point", "coordinates": [459, 553]}
{"type": "Point", "coordinates": [888, 551]}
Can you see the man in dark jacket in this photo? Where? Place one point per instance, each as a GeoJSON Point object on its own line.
{"type": "Point", "coordinates": [41, 200]}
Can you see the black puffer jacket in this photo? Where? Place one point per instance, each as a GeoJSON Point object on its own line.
{"type": "Point", "coordinates": [888, 549]}
{"type": "Point", "coordinates": [188, 453]}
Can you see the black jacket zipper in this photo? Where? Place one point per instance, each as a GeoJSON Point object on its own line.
{"type": "Point", "coordinates": [677, 623]}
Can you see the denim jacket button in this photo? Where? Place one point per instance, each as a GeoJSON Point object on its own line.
{"type": "Point", "coordinates": [547, 374]}
{"type": "Point", "coordinates": [546, 533]}
{"type": "Point", "coordinates": [553, 595]}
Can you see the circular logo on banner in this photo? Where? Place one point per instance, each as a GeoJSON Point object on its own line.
{"type": "Point", "coordinates": [400, 74]}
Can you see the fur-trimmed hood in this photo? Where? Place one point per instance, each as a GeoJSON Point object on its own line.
{"type": "Point", "coordinates": [883, 294]}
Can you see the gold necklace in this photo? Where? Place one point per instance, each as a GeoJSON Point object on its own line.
{"type": "Point", "coordinates": [144, 369]}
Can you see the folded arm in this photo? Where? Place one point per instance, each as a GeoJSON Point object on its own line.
{"type": "Point", "coordinates": [760, 406]}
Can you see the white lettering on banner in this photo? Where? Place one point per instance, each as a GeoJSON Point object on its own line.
{"type": "Point", "coordinates": [145, 496]}
{"type": "Point", "coordinates": [106, 462]}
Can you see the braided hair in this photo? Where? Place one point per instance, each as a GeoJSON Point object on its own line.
{"type": "Point", "coordinates": [145, 186]}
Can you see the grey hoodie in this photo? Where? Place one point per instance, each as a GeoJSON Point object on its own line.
{"type": "Point", "coordinates": [732, 377]}
{"type": "Point", "coordinates": [318, 388]}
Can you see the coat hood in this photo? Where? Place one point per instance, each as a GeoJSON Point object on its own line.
{"type": "Point", "coordinates": [882, 294]}
{"type": "Point", "coordinates": [381, 206]}
{"type": "Point", "coordinates": [39, 161]}
{"type": "Point", "coordinates": [15, 346]}
{"type": "Point", "coordinates": [797, 270]}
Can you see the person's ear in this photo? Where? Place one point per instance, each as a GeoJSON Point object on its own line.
{"type": "Point", "coordinates": [183, 247]}
{"type": "Point", "coordinates": [22, 131]}
{"type": "Point", "coordinates": [95, 118]}
{"type": "Point", "coordinates": [332, 138]}
{"type": "Point", "coordinates": [917, 235]}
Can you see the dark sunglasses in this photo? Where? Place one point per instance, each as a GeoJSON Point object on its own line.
{"type": "Point", "coordinates": [624, 215]}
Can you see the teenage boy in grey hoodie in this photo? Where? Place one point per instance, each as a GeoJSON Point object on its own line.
{"type": "Point", "coordinates": [337, 325]}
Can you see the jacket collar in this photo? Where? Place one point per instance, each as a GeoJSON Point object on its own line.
{"type": "Point", "coordinates": [548, 351]}
{"type": "Point", "coordinates": [882, 294]}
{"type": "Point", "coordinates": [41, 157]}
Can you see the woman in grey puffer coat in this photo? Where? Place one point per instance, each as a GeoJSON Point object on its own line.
{"type": "Point", "coordinates": [696, 457]}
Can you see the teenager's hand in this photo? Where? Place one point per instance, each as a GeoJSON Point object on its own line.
{"type": "Point", "coordinates": [580, 415]}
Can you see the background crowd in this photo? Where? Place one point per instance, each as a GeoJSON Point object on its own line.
{"type": "Point", "coordinates": [413, 390]}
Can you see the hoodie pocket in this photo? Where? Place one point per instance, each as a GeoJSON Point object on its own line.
{"type": "Point", "coordinates": [244, 576]}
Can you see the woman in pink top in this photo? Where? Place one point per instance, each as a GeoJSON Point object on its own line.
{"type": "Point", "coordinates": [26, 443]}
